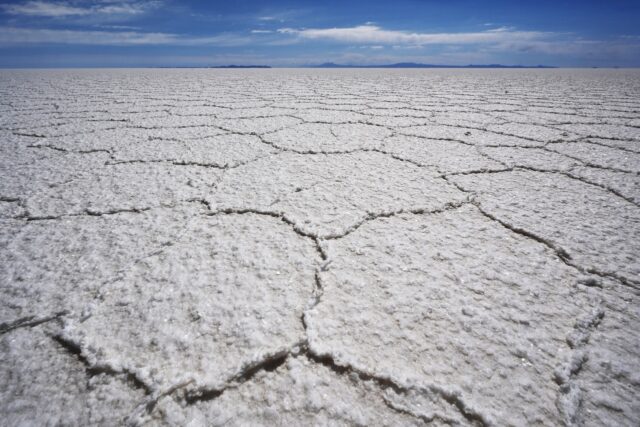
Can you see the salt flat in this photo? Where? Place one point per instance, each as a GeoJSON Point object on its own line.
{"type": "Point", "coordinates": [328, 247]}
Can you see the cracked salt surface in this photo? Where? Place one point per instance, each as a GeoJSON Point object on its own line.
{"type": "Point", "coordinates": [336, 247]}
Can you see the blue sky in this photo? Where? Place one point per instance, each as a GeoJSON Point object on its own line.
{"type": "Point", "coordinates": [75, 33]}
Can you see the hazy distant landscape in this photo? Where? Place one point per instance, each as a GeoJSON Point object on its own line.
{"type": "Point", "coordinates": [421, 65]}
{"type": "Point", "coordinates": [397, 65]}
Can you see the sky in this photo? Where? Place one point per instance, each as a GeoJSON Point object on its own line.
{"type": "Point", "coordinates": [172, 33]}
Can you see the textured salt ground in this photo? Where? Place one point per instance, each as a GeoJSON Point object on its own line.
{"type": "Point", "coordinates": [337, 247]}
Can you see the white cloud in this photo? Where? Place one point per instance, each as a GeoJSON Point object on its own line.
{"type": "Point", "coordinates": [119, 27]}
{"type": "Point", "coordinates": [280, 16]}
{"type": "Point", "coordinates": [261, 31]}
{"type": "Point", "coordinates": [14, 36]}
{"type": "Point", "coordinates": [10, 35]}
{"type": "Point", "coordinates": [493, 43]}
{"type": "Point", "coordinates": [123, 9]}
{"type": "Point", "coordinates": [376, 35]}
{"type": "Point", "coordinates": [64, 9]}
{"type": "Point", "coordinates": [40, 8]}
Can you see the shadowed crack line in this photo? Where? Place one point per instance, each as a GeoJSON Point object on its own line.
{"type": "Point", "coordinates": [64, 150]}
{"type": "Point", "coordinates": [280, 216]}
{"type": "Point", "coordinates": [29, 322]}
{"type": "Point", "coordinates": [488, 157]}
{"type": "Point", "coordinates": [602, 186]}
{"type": "Point", "coordinates": [176, 162]}
{"type": "Point", "coordinates": [435, 138]}
{"type": "Point", "coordinates": [323, 254]}
{"type": "Point", "coordinates": [87, 212]}
{"type": "Point", "coordinates": [85, 132]}
{"type": "Point", "coordinates": [269, 363]}
{"type": "Point", "coordinates": [147, 406]}
{"type": "Point", "coordinates": [560, 252]}
{"type": "Point", "coordinates": [386, 382]}
{"type": "Point", "coordinates": [203, 202]}
{"type": "Point", "coordinates": [397, 157]}
{"type": "Point", "coordinates": [602, 144]}
{"type": "Point", "coordinates": [370, 216]}
{"type": "Point", "coordinates": [93, 369]}
{"type": "Point", "coordinates": [9, 199]}
{"type": "Point", "coordinates": [551, 171]}
{"type": "Point", "coordinates": [32, 135]}
{"type": "Point", "coordinates": [542, 147]}
{"type": "Point", "coordinates": [402, 409]}
{"type": "Point", "coordinates": [476, 128]}
{"type": "Point", "coordinates": [590, 164]}
{"type": "Point", "coordinates": [446, 175]}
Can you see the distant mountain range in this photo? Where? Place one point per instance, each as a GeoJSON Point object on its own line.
{"type": "Point", "coordinates": [397, 65]}
{"type": "Point", "coordinates": [241, 66]}
{"type": "Point", "coordinates": [418, 65]}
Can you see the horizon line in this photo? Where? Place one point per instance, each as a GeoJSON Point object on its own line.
{"type": "Point", "coordinates": [267, 67]}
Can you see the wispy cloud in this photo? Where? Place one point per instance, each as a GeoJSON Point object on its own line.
{"type": "Point", "coordinates": [40, 8]}
{"type": "Point", "coordinates": [16, 36]}
{"type": "Point", "coordinates": [63, 9]}
{"type": "Point", "coordinates": [118, 27]}
{"type": "Point", "coordinates": [372, 34]}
